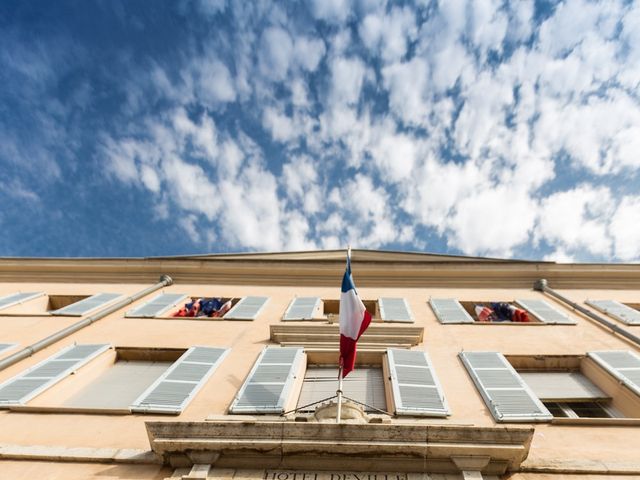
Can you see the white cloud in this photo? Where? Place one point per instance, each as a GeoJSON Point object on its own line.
{"type": "Point", "coordinates": [279, 125]}
{"type": "Point", "coordinates": [347, 76]}
{"type": "Point", "coordinates": [408, 94]}
{"type": "Point", "coordinates": [308, 52]}
{"type": "Point", "coordinates": [390, 34]}
{"type": "Point", "coordinates": [625, 229]}
{"type": "Point", "coordinates": [331, 10]}
{"type": "Point", "coordinates": [276, 53]}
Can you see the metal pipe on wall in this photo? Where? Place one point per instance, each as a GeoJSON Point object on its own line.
{"type": "Point", "coordinates": [543, 286]}
{"type": "Point", "coordinates": [165, 281]}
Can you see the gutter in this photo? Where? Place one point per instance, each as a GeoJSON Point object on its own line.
{"type": "Point", "coordinates": [543, 286]}
{"type": "Point", "coordinates": [26, 352]}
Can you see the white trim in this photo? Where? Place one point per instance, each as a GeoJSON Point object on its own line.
{"type": "Point", "coordinates": [229, 314]}
{"type": "Point", "coordinates": [32, 296]}
{"type": "Point", "coordinates": [162, 310]}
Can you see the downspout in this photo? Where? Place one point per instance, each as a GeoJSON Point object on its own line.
{"type": "Point", "coordinates": [165, 281]}
{"type": "Point", "coordinates": [542, 286]}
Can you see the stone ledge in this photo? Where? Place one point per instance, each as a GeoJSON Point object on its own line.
{"type": "Point", "coordinates": [327, 446]}
{"type": "Point", "coordinates": [78, 454]}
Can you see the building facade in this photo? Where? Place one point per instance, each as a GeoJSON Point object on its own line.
{"type": "Point", "coordinates": [211, 366]}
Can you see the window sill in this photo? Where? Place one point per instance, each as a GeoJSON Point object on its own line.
{"type": "Point", "coordinates": [608, 422]}
{"type": "Point", "coordinates": [67, 410]}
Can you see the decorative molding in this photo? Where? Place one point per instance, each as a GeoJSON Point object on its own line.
{"type": "Point", "coordinates": [329, 446]}
{"type": "Point", "coordinates": [376, 337]}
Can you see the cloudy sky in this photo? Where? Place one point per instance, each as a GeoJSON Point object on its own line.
{"type": "Point", "coordinates": [507, 129]}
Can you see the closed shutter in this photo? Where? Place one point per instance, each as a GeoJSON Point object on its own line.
{"type": "Point", "coordinates": [157, 305]}
{"type": "Point", "coordinates": [303, 308]}
{"type": "Point", "coordinates": [617, 310]}
{"type": "Point", "coordinates": [246, 309]}
{"type": "Point", "coordinates": [87, 305]}
{"type": "Point", "coordinates": [416, 389]}
{"type": "Point", "coordinates": [395, 310]}
{"type": "Point", "coordinates": [622, 364]}
{"type": "Point", "coordinates": [38, 378]}
{"type": "Point", "coordinates": [267, 388]}
{"type": "Point", "coordinates": [6, 346]}
{"type": "Point", "coordinates": [503, 390]}
{"type": "Point", "coordinates": [545, 312]}
{"type": "Point", "coordinates": [16, 298]}
{"type": "Point", "coordinates": [449, 310]}
{"type": "Point", "coordinates": [179, 384]}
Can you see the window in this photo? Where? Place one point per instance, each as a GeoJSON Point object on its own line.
{"type": "Point", "coordinates": [625, 312]}
{"type": "Point", "coordinates": [521, 311]}
{"type": "Point", "coordinates": [38, 303]}
{"type": "Point", "coordinates": [129, 379]}
{"type": "Point", "coordinates": [284, 378]}
{"type": "Point", "coordinates": [179, 305]}
{"type": "Point", "coordinates": [385, 309]}
{"type": "Point", "coordinates": [542, 388]}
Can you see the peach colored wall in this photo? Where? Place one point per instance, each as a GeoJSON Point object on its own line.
{"type": "Point", "coordinates": [246, 339]}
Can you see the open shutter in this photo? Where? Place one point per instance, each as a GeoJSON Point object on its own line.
{"type": "Point", "coordinates": [416, 389]}
{"type": "Point", "coordinates": [303, 308]}
{"type": "Point", "coordinates": [157, 305]}
{"type": "Point", "coordinates": [508, 397]}
{"type": "Point", "coordinates": [617, 310]}
{"type": "Point", "coordinates": [545, 312]}
{"type": "Point", "coordinates": [6, 346]}
{"type": "Point", "coordinates": [269, 383]}
{"type": "Point", "coordinates": [395, 310]}
{"type": "Point", "coordinates": [622, 364]}
{"type": "Point", "coordinates": [247, 308]}
{"type": "Point", "coordinates": [16, 298]}
{"type": "Point", "coordinates": [175, 388]}
{"type": "Point", "coordinates": [449, 310]}
{"type": "Point", "coordinates": [87, 305]}
{"type": "Point", "coordinates": [23, 387]}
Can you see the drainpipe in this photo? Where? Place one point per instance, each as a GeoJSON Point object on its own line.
{"type": "Point", "coordinates": [542, 286]}
{"type": "Point", "coordinates": [165, 281]}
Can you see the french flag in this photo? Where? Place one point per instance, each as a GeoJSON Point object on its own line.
{"type": "Point", "coordinates": [354, 320]}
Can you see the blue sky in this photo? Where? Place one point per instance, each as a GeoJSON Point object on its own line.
{"type": "Point", "coordinates": [482, 127]}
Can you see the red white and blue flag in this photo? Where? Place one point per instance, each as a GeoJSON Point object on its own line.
{"type": "Point", "coordinates": [354, 320]}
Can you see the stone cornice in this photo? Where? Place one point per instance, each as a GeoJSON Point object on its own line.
{"type": "Point", "coordinates": [328, 446]}
{"type": "Point", "coordinates": [472, 274]}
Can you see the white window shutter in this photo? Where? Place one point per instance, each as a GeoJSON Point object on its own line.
{"type": "Point", "coordinates": [545, 312]}
{"type": "Point", "coordinates": [16, 298]}
{"type": "Point", "coordinates": [506, 394]}
{"type": "Point", "coordinates": [415, 386]}
{"type": "Point", "coordinates": [616, 310]}
{"type": "Point", "coordinates": [449, 310]}
{"type": "Point", "coordinates": [157, 305]}
{"type": "Point", "coordinates": [395, 310]}
{"type": "Point", "coordinates": [23, 387]}
{"type": "Point", "coordinates": [87, 305]}
{"type": "Point", "coordinates": [247, 308]}
{"type": "Point", "coordinates": [175, 388]}
{"type": "Point", "coordinates": [267, 388]}
{"type": "Point", "coordinates": [303, 308]}
{"type": "Point", "coordinates": [622, 364]}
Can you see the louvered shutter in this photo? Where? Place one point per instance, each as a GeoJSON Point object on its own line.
{"type": "Point", "coordinates": [617, 310]}
{"type": "Point", "coordinates": [545, 312]}
{"type": "Point", "coordinates": [508, 397]}
{"type": "Point", "coordinates": [622, 364]}
{"type": "Point", "coordinates": [23, 387]}
{"type": "Point", "coordinates": [6, 346]}
{"type": "Point", "coordinates": [395, 310]}
{"type": "Point", "coordinates": [416, 389]}
{"type": "Point", "coordinates": [16, 298]}
{"type": "Point", "coordinates": [267, 388]}
{"type": "Point", "coordinates": [173, 391]}
{"type": "Point", "coordinates": [157, 305]}
{"type": "Point", "coordinates": [246, 309]}
{"type": "Point", "coordinates": [87, 305]}
{"type": "Point", "coordinates": [302, 308]}
{"type": "Point", "coordinates": [449, 310]}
